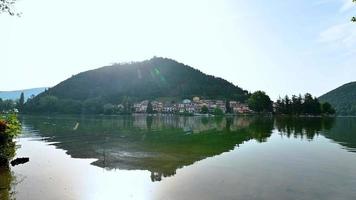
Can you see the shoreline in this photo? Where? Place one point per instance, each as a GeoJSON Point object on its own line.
{"type": "Point", "coordinates": [189, 115]}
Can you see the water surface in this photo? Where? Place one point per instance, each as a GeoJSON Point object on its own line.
{"type": "Point", "coordinates": [171, 157]}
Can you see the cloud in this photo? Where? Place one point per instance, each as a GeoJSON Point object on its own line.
{"type": "Point", "coordinates": [347, 5]}
{"type": "Point", "coordinates": [341, 34]}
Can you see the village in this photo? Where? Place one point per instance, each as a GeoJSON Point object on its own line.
{"type": "Point", "coordinates": [195, 106]}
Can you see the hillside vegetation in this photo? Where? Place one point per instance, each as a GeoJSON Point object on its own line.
{"type": "Point", "coordinates": [125, 83]}
{"type": "Point", "coordinates": [343, 99]}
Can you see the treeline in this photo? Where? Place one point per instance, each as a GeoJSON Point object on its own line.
{"type": "Point", "coordinates": [306, 105]}
{"type": "Point", "coordinates": [9, 105]}
{"type": "Point", "coordinates": [52, 104]}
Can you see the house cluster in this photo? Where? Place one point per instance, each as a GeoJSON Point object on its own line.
{"type": "Point", "coordinates": [193, 106]}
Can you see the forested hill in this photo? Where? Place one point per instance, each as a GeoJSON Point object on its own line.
{"type": "Point", "coordinates": [150, 79]}
{"type": "Point", "coordinates": [343, 99]}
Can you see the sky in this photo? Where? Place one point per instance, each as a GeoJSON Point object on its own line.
{"type": "Point", "coordinates": [280, 47]}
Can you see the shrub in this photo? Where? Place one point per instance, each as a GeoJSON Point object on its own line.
{"type": "Point", "coordinates": [10, 127]}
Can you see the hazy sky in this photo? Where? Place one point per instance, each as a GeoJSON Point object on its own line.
{"type": "Point", "coordinates": [279, 46]}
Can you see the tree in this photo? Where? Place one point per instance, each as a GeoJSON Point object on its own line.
{"type": "Point", "coordinates": [228, 107]}
{"type": "Point", "coordinates": [326, 108]}
{"type": "Point", "coordinates": [109, 109]}
{"type": "Point", "coordinates": [7, 105]}
{"type": "Point", "coordinates": [260, 102]}
{"type": "Point", "coordinates": [204, 110]}
{"type": "Point", "coordinates": [288, 105]}
{"type": "Point", "coordinates": [93, 106]}
{"type": "Point", "coordinates": [298, 105]}
{"type": "Point", "coordinates": [21, 102]}
{"type": "Point", "coordinates": [218, 112]}
{"type": "Point", "coordinates": [149, 109]}
{"type": "Point", "coordinates": [7, 6]}
{"type": "Point", "coordinates": [297, 102]}
{"type": "Point", "coordinates": [127, 103]}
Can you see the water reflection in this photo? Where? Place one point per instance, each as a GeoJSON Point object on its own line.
{"type": "Point", "coordinates": [303, 127]}
{"type": "Point", "coordinates": [339, 130]}
{"type": "Point", "coordinates": [343, 132]}
{"type": "Point", "coordinates": [7, 179]}
{"type": "Point", "coordinates": [160, 145]}
{"type": "Point", "coordinates": [163, 144]}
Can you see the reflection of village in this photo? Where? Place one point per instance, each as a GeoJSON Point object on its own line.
{"type": "Point", "coordinates": [191, 106]}
{"type": "Point", "coordinates": [190, 124]}
{"type": "Point", "coordinates": [163, 143]}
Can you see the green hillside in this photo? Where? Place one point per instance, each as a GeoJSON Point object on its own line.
{"type": "Point", "coordinates": [150, 79]}
{"type": "Point", "coordinates": [343, 99]}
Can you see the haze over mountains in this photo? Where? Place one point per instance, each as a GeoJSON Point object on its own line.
{"type": "Point", "coordinates": [13, 95]}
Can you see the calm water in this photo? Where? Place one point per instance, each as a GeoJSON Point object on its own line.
{"type": "Point", "coordinates": [170, 157]}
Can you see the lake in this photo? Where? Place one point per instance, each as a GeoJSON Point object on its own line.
{"type": "Point", "coordinates": [174, 157]}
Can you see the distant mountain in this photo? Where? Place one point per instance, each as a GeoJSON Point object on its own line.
{"type": "Point", "coordinates": [13, 95]}
{"type": "Point", "coordinates": [150, 79]}
{"type": "Point", "coordinates": [343, 99]}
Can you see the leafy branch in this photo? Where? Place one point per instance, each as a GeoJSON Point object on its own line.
{"type": "Point", "coordinates": [353, 19]}
{"type": "Point", "coordinates": [7, 6]}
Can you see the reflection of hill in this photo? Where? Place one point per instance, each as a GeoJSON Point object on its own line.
{"type": "Point", "coordinates": [340, 130]}
{"type": "Point", "coordinates": [344, 133]}
{"type": "Point", "coordinates": [159, 144]}
{"type": "Point", "coordinates": [303, 127]}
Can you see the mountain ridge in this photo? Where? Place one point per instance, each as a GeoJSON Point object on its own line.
{"type": "Point", "coordinates": [342, 98]}
{"type": "Point", "coordinates": [150, 79]}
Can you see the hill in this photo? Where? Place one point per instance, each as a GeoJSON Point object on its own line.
{"type": "Point", "coordinates": [13, 95]}
{"type": "Point", "coordinates": [131, 82]}
{"type": "Point", "coordinates": [343, 99]}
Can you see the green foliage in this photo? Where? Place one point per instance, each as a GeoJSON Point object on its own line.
{"type": "Point", "coordinates": [307, 105]}
{"type": "Point", "coordinates": [327, 108]}
{"type": "Point", "coordinates": [10, 126]}
{"type": "Point", "coordinates": [7, 6]}
{"type": "Point", "coordinates": [228, 108]}
{"type": "Point", "coordinates": [7, 105]}
{"type": "Point", "coordinates": [127, 103]}
{"type": "Point", "coordinates": [204, 110]}
{"type": "Point", "coordinates": [21, 102]}
{"type": "Point", "coordinates": [343, 99]}
{"type": "Point", "coordinates": [218, 112]}
{"type": "Point", "coordinates": [149, 108]}
{"type": "Point", "coordinates": [109, 109]}
{"type": "Point", "coordinates": [93, 106]}
{"type": "Point", "coordinates": [133, 82]}
{"type": "Point", "coordinates": [260, 102]}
